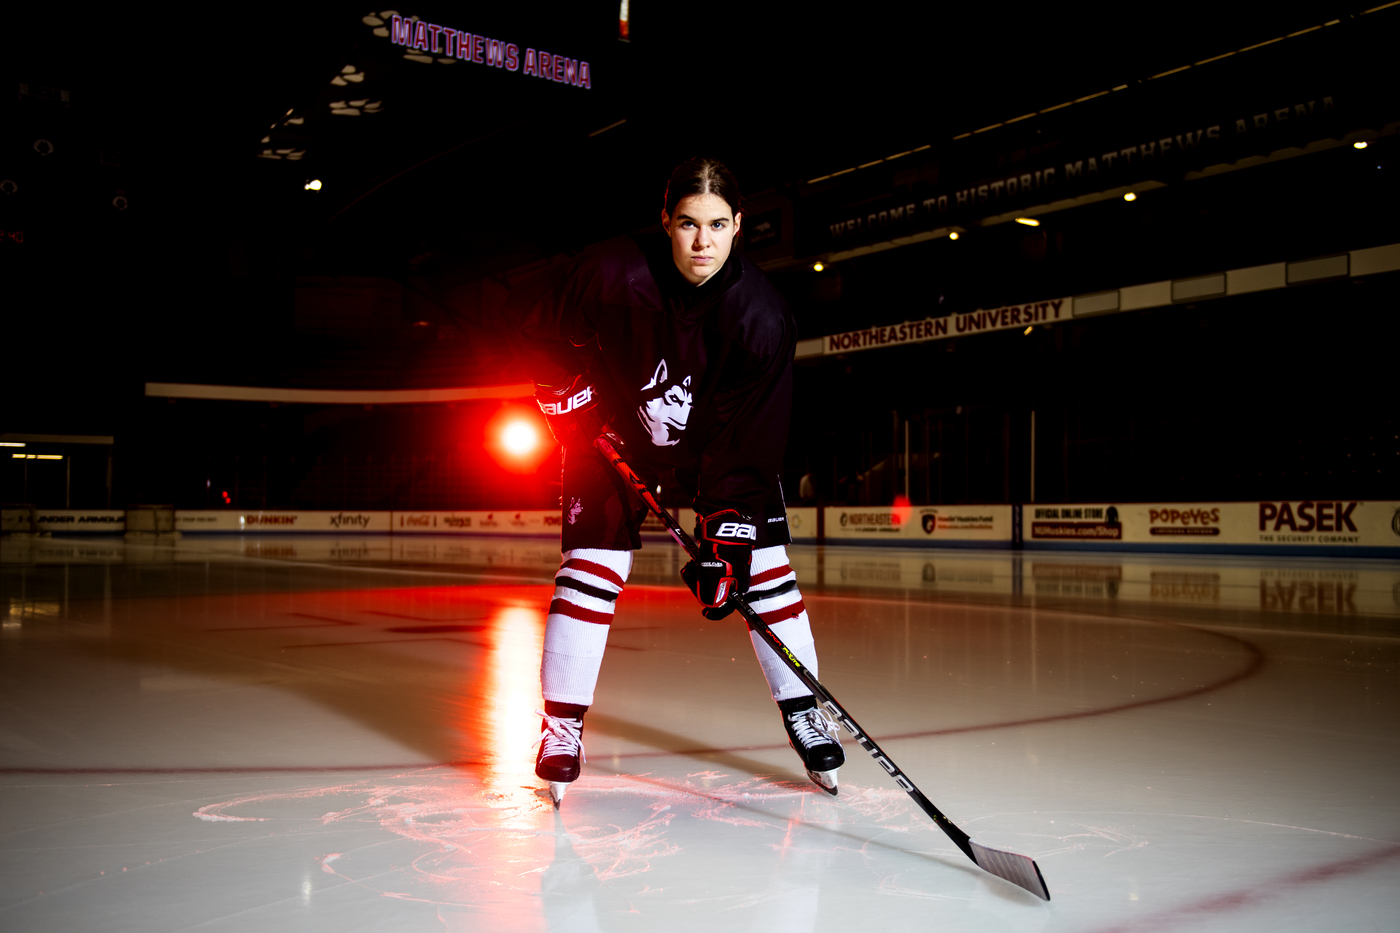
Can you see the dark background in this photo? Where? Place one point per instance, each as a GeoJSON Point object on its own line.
{"type": "Point", "coordinates": [223, 269]}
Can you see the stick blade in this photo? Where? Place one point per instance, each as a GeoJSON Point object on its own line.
{"type": "Point", "coordinates": [1020, 870]}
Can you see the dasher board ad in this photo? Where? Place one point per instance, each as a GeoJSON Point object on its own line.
{"type": "Point", "coordinates": [279, 521]}
{"type": "Point", "coordinates": [81, 521]}
{"type": "Point", "coordinates": [1312, 524]}
{"type": "Point", "coordinates": [936, 525]}
{"type": "Point", "coordinates": [527, 522]}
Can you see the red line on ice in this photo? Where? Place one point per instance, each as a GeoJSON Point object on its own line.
{"type": "Point", "coordinates": [1257, 892]}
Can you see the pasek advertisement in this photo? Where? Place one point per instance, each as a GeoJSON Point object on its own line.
{"type": "Point", "coordinates": [1312, 523]}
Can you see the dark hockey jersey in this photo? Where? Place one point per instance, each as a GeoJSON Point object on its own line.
{"type": "Point", "coordinates": [695, 379]}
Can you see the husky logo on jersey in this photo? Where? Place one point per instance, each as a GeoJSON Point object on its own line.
{"type": "Point", "coordinates": [666, 407]}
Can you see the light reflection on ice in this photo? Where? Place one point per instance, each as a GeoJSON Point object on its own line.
{"type": "Point", "coordinates": [510, 697]}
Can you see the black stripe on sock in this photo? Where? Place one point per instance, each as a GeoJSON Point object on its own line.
{"type": "Point", "coordinates": [571, 710]}
{"type": "Point", "coordinates": [585, 589]}
{"type": "Point", "coordinates": [754, 596]}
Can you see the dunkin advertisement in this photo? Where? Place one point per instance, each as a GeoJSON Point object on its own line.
{"type": "Point", "coordinates": [1306, 523]}
{"type": "Point", "coordinates": [271, 521]}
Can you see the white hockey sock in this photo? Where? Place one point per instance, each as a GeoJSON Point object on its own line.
{"type": "Point", "coordinates": [786, 615]}
{"type": "Point", "coordinates": [580, 615]}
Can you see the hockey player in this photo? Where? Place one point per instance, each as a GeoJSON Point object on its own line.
{"type": "Point", "coordinates": [681, 348]}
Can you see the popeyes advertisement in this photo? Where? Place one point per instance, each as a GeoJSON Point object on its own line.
{"type": "Point", "coordinates": [1305, 523]}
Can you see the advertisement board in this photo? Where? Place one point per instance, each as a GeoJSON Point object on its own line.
{"type": "Point", "coordinates": [81, 521]}
{"type": "Point", "coordinates": [1312, 525]}
{"type": "Point", "coordinates": [802, 523]}
{"type": "Point", "coordinates": [530, 522]}
{"type": "Point", "coordinates": [280, 521]}
{"type": "Point", "coordinates": [523, 522]}
{"type": "Point", "coordinates": [935, 525]}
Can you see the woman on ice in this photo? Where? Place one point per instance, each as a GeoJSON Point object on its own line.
{"type": "Point", "coordinates": [682, 349]}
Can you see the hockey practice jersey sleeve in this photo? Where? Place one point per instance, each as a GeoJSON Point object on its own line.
{"type": "Point", "coordinates": [545, 323]}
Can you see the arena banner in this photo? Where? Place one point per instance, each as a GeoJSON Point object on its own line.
{"type": "Point", "coordinates": [1294, 524]}
{"type": "Point", "coordinates": [935, 525]}
{"type": "Point", "coordinates": [802, 523]}
{"type": "Point", "coordinates": [510, 522]}
{"type": "Point", "coordinates": [1006, 317]}
{"type": "Point", "coordinates": [280, 521]}
{"type": "Point", "coordinates": [1128, 152]}
{"type": "Point", "coordinates": [81, 521]}
{"type": "Point", "coordinates": [529, 522]}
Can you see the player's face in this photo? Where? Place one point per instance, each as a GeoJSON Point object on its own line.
{"type": "Point", "coordinates": [702, 234]}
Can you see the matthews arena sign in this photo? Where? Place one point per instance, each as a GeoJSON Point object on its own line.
{"type": "Point", "coordinates": [431, 39]}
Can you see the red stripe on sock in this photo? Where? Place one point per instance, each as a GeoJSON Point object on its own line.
{"type": "Point", "coordinates": [565, 608]}
{"type": "Point", "coordinates": [767, 575]}
{"type": "Point", "coordinates": [783, 614]}
{"type": "Point", "coordinates": [598, 570]}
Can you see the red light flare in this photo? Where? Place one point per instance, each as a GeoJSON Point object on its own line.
{"type": "Point", "coordinates": [518, 439]}
{"type": "Point", "coordinates": [902, 510]}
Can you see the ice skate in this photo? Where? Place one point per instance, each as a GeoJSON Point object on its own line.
{"type": "Point", "coordinates": [813, 734]}
{"type": "Point", "coordinates": [561, 753]}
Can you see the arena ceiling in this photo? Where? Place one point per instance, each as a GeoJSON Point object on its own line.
{"type": "Point", "coordinates": [207, 126]}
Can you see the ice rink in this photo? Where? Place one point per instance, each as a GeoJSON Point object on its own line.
{"type": "Point", "coordinates": [294, 733]}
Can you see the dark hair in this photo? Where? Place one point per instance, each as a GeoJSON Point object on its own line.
{"type": "Point", "coordinates": [702, 176]}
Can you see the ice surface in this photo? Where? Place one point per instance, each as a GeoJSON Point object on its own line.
{"type": "Point", "coordinates": [322, 734]}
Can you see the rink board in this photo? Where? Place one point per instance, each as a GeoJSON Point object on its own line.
{"type": "Point", "coordinates": [1358, 527]}
{"type": "Point", "coordinates": [1299, 526]}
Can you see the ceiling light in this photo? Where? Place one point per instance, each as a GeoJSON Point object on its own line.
{"type": "Point", "coordinates": [1129, 197]}
{"type": "Point", "coordinates": [1359, 144]}
{"type": "Point", "coordinates": [953, 235]}
{"type": "Point", "coordinates": [1027, 331]}
{"type": "Point", "coordinates": [11, 443]}
{"type": "Point", "coordinates": [313, 185]}
{"type": "Point", "coordinates": [817, 267]}
{"type": "Point", "coordinates": [1028, 221]}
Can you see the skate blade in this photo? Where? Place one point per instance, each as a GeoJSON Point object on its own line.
{"type": "Point", "coordinates": [556, 792]}
{"type": "Point", "coordinates": [826, 780]}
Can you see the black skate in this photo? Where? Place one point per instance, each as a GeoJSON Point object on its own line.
{"type": "Point", "coordinates": [813, 734]}
{"type": "Point", "coordinates": [561, 752]}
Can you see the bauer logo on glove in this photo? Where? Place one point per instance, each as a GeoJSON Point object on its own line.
{"type": "Point", "coordinates": [575, 418]}
{"type": "Point", "coordinates": [737, 530]}
{"type": "Point", "coordinates": [726, 540]}
{"type": "Point", "coordinates": [577, 402]}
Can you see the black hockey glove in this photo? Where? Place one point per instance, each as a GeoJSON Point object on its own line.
{"type": "Point", "coordinates": [572, 410]}
{"type": "Point", "coordinates": [726, 541]}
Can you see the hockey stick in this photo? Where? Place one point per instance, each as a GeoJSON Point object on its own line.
{"type": "Point", "coordinates": [1020, 870]}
